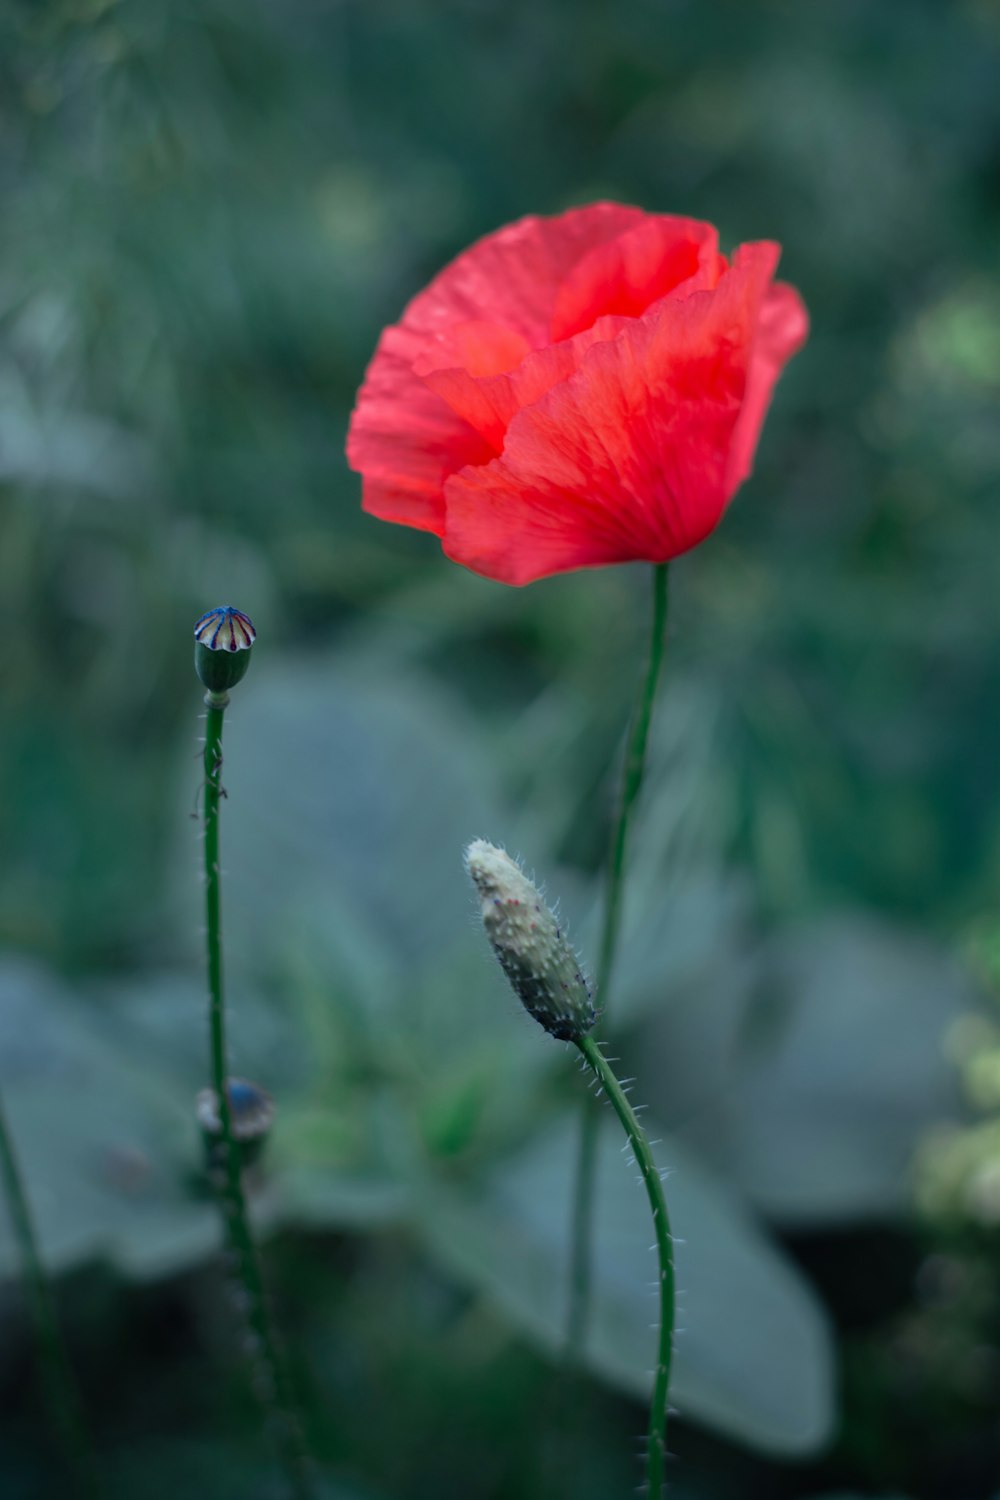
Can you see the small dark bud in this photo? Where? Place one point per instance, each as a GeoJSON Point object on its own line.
{"type": "Point", "coordinates": [251, 1115]}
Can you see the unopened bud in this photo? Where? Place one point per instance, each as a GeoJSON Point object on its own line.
{"type": "Point", "coordinates": [251, 1115]}
{"type": "Point", "coordinates": [223, 639]}
{"type": "Point", "coordinates": [527, 939]}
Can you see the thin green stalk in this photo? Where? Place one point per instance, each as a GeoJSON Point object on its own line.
{"type": "Point", "coordinates": [272, 1380]}
{"type": "Point", "coordinates": [59, 1386]}
{"type": "Point", "coordinates": [665, 1251]}
{"type": "Point", "coordinates": [581, 1267]}
{"type": "Point", "coordinates": [632, 774]}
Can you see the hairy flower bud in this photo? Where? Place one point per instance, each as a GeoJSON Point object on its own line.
{"type": "Point", "coordinates": [527, 939]}
{"type": "Point", "coordinates": [223, 638]}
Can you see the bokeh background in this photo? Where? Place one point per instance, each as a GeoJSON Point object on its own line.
{"type": "Point", "coordinates": [209, 212]}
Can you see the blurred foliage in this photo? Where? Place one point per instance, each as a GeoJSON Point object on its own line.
{"type": "Point", "coordinates": [210, 211]}
{"type": "Point", "coordinates": [959, 1166]}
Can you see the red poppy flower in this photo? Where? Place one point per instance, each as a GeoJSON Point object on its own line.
{"type": "Point", "coordinates": [575, 391]}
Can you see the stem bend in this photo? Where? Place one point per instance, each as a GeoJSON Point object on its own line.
{"type": "Point", "coordinates": [657, 1449]}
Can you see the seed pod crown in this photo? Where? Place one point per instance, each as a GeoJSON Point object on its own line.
{"type": "Point", "coordinates": [224, 639]}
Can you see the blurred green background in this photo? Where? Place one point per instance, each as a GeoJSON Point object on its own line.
{"type": "Point", "coordinates": [209, 212]}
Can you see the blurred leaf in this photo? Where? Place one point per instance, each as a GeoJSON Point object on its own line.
{"type": "Point", "coordinates": [101, 1142]}
{"type": "Point", "coordinates": [183, 1465]}
{"type": "Point", "coordinates": [689, 951]}
{"type": "Point", "coordinates": [101, 1106]}
{"type": "Point", "coordinates": [849, 1069]}
{"type": "Point", "coordinates": [48, 451]}
{"type": "Point", "coordinates": [351, 797]}
{"type": "Point", "coordinates": [754, 1360]}
{"type": "Point", "coordinates": [112, 1161]}
{"type": "Point", "coordinates": [352, 788]}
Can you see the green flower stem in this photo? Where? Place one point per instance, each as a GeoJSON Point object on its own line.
{"type": "Point", "coordinates": [665, 1251]}
{"type": "Point", "coordinates": [272, 1382]}
{"type": "Point", "coordinates": [581, 1271]}
{"type": "Point", "coordinates": [632, 774]}
{"type": "Point", "coordinates": [57, 1377]}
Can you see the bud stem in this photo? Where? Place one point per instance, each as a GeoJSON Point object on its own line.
{"type": "Point", "coordinates": [273, 1384]}
{"type": "Point", "coordinates": [665, 1253]}
{"type": "Point", "coordinates": [581, 1270]}
{"type": "Point", "coordinates": [59, 1386]}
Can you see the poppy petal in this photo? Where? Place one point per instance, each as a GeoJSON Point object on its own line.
{"type": "Point", "coordinates": [405, 440]}
{"type": "Point", "coordinates": [490, 403]}
{"type": "Point", "coordinates": [626, 275]}
{"type": "Point", "coordinates": [626, 459]}
{"type": "Point", "coordinates": [512, 278]}
{"type": "Point", "coordinates": [782, 329]}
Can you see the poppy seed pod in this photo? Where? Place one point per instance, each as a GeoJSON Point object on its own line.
{"type": "Point", "coordinates": [224, 638]}
{"type": "Point", "coordinates": [528, 941]}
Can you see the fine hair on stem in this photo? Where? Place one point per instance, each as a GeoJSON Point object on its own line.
{"type": "Point", "coordinates": [548, 978]}
{"type": "Point", "coordinates": [609, 1085]}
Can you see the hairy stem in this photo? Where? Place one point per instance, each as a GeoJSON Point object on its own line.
{"type": "Point", "coordinates": [271, 1379]}
{"type": "Point", "coordinates": [665, 1252]}
{"type": "Point", "coordinates": [581, 1270]}
{"type": "Point", "coordinates": [59, 1386]}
